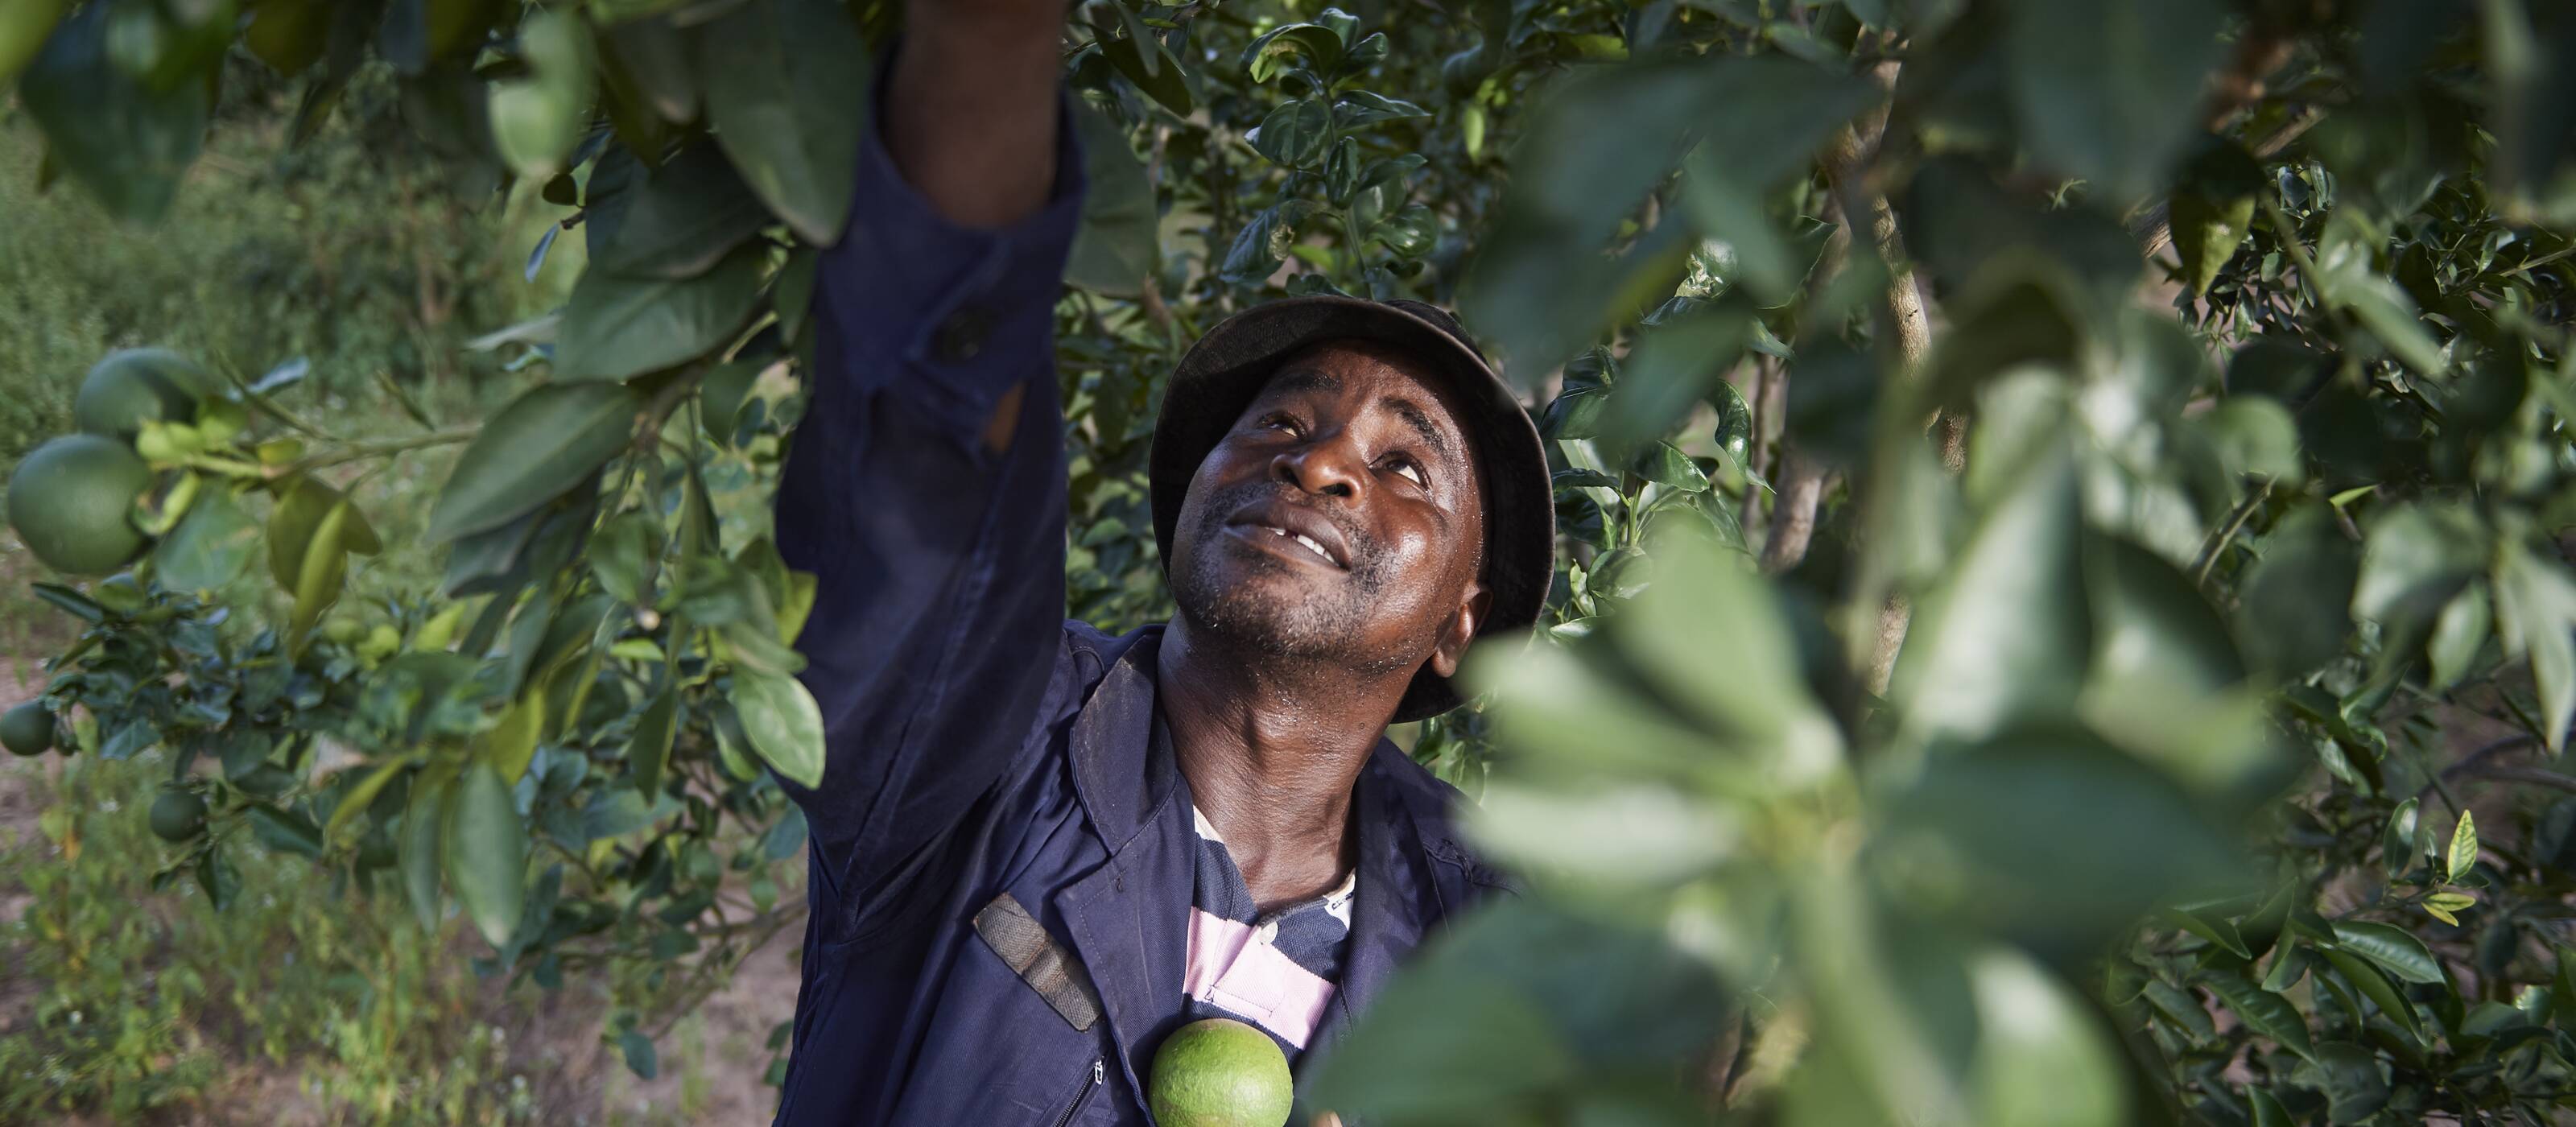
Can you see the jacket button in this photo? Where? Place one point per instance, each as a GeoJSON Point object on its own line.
{"type": "Point", "coordinates": [961, 336]}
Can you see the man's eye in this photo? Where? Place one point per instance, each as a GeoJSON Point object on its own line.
{"type": "Point", "coordinates": [1410, 470]}
{"type": "Point", "coordinates": [1280, 422]}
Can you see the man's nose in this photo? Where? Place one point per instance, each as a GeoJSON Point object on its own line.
{"type": "Point", "coordinates": [1328, 466]}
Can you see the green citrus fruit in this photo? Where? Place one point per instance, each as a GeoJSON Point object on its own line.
{"type": "Point", "coordinates": [1220, 1073]}
{"type": "Point", "coordinates": [178, 815]}
{"type": "Point", "coordinates": [135, 384]}
{"type": "Point", "coordinates": [71, 501]}
{"type": "Point", "coordinates": [27, 729]}
{"type": "Point", "coordinates": [24, 24]}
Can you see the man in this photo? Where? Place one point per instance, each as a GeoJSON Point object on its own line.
{"type": "Point", "coordinates": [1038, 849]}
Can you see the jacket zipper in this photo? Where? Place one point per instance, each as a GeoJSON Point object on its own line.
{"type": "Point", "coordinates": [1082, 1095]}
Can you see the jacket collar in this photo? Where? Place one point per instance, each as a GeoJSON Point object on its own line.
{"type": "Point", "coordinates": [1129, 918]}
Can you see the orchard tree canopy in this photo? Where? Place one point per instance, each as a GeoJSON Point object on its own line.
{"type": "Point", "coordinates": [2064, 610]}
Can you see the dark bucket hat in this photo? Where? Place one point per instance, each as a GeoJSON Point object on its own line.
{"type": "Point", "coordinates": [1230, 365]}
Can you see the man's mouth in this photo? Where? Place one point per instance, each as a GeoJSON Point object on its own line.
{"type": "Point", "coordinates": [1293, 531]}
{"type": "Point", "coordinates": [1301, 540]}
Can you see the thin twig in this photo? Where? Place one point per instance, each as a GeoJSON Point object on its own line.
{"type": "Point", "coordinates": [2209, 553]}
{"type": "Point", "coordinates": [2532, 775]}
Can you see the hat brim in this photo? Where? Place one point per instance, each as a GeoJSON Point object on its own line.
{"type": "Point", "coordinates": [1228, 367]}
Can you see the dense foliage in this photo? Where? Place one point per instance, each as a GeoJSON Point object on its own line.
{"type": "Point", "coordinates": [2027, 467]}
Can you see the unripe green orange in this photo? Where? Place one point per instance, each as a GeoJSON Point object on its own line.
{"type": "Point", "coordinates": [72, 499]}
{"type": "Point", "coordinates": [1220, 1073]}
{"type": "Point", "coordinates": [27, 729]}
{"type": "Point", "coordinates": [133, 385]}
{"type": "Point", "coordinates": [178, 815]}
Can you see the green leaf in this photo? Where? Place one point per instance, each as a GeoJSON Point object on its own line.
{"type": "Point", "coordinates": [1322, 46]}
{"type": "Point", "coordinates": [2042, 1059]}
{"type": "Point", "coordinates": [318, 578]}
{"type": "Point", "coordinates": [2206, 235]}
{"type": "Point", "coordinates": [486, 852]}
{"type": "Point", "coordinates": [297, 515]}
{"type": "Point", "coordinates": [2398, 849]}
{"type": "Point", "coordinates": [2010, 635]}
{"type": "Point", "coordinates": [284, 831]}
{"type": "Point", "coordinates": [1409, 232]}
{"type": "Point", "coordinates": [1153, 70]}
{"type": "Point", "coordinates": [656, 57]}
{"type": "Point", "coordinates": [2267, 1108]}
{"type": "Point", "coordinates": [1293, 134]}
{"type": "Point", "coordinates": [784, 724]}
{"type": "Point", "coordinates": [623, 554]}
{"type": "Point", "coordinates": [2391, 947]}
{"type": "Point", "coordinates": [1257, 249]}
{"type": "Point", "coordinates": [211, 546]}
{"type": "Point", "coordinates": [542, 444]}
{"type": "Point", "coordinates": [126, 142]}
{"type": "Point", "coordinates": [1665, 465]}
{"type": "Point", "coordinates": [618, 326]}
{"type": "Point", "coordinates": [1118, 248]}
{"type": "Point", "coordinates": [2459, 634]}
{"type": "Point", "coordinates": [2352, 1079]}
{"type": "Point", "coordinates": [2535, 606]}
{"type": "Point", "coordinates": [2109, 90]}
{"type": "Point", "coordinates": [2212, 211]}
{"type": "Point", "coordinates": [417, 848]}
{"type": "Point", "coordinates": [508, 745]}
{"type": "Point", "coordinates": [784, 80]}
{"type": "Point", "coordinates": [2374, 984]}
{"type": "Point", "coordinates": [2442, 905]}
{"type": "Point", "coordinates": [538, 118]}
{"type": "Point", "coordinates": [1509, 1005]}
{"type": "Point", "coordinates": [638, 1051]}
{"type": "Point", "coordinates": [651, 748]}
{"type": "Point", "coordinates": [2417, 556]}
{"type": "Point", "coordinates": [1672, 367]}
{"type": "Point", "coordinates": [2256, 436]}
{"type": "Point", "coordinates": [2264, 1012]}
{"type": "Point", "coordinates": [1575, 413]}
{"type": "Point", "coordinates": [682, 220]}
{"type": "Point", "coordinates": [1360, 107]}
{"type": "Point", "coordinates": [1734, 434]}
{"type": "Point", "coordinates": [2296, 605]}
{"type": "Point", "coordinates": [2213, 929]}
{"type": "Point", "coordinates": [2181, 1009]}
{"type": "Point", "coordinates": [2061, 836]}
{"type": "Point", "coordinates": [359, 797]}
{"type": "Point", "coordinates": [2463, 855]}
{"type": "Point", "coordinates": [2289, 967]}
{"type": "Point", "coordinates": [217, 877]}
{"type": "Point", "coordinates": [1539, 285]}
{"type": "Point", "coordinates": [2348, 280]}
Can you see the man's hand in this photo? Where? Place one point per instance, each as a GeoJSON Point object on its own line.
{"type": "Point", "coordinates": [970, 112]}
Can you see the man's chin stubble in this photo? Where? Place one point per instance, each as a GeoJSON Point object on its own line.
{"type": "Point", "coordinates": [1314, 627]}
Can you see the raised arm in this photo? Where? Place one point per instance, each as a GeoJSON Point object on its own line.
{"type": "Point", "coordinates": [925, 487]}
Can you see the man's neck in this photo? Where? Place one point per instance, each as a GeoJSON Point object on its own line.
{"type": "Point", "coordinates": [1271, 749]}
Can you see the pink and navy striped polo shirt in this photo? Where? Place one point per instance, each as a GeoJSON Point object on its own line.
{"type": "Point", "coordinates": [1275, 971]}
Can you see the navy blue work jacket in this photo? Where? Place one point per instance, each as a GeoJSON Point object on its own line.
{"type": "Point", "coordinates": [981, 745]}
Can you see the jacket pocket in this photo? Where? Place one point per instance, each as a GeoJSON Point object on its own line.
{"type": "Point", "coordinates": [1083, 1095]}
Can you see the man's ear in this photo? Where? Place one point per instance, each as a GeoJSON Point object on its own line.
{"type": "Point", "coordinates": [1460, 629]}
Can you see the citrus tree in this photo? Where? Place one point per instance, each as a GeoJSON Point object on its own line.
{"type": "Point", "coordinates": [2062, 614]}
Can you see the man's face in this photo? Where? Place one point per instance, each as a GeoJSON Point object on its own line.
{"type": "Point", "coordinates": [1342, 519]}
